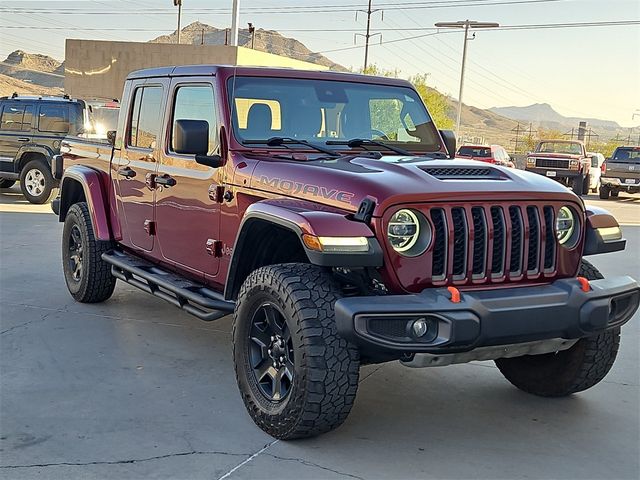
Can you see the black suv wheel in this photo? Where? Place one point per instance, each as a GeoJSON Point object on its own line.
{"type": "Point", "coordinates": [559, 374]}
{"type": "Point", "coordinates": [37, 182]}
{"type": "Point", "coordinates": [297, 377]}
{"type": "Point", "coordinates": [88, 277]}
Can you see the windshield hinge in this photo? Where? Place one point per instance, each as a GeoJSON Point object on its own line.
{"type": "Point", "coordinates": [365, 210]}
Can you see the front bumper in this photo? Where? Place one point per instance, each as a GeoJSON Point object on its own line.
{"type": "Point", "coordinates": [482, 318]}
{"type": "Point", "coordinates": [559, 172]}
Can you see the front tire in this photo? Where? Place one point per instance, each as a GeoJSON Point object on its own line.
{"type": "Point", "coordinates": [297, 377]}
{"type": "Point", "coordinates": [569, 371]}
{"type": "Point", "coordinates": [88, 277]}
{"type": "Point", "coordinates": [37, 182]}
{"type": "Point", "coordinates": [577, 184]}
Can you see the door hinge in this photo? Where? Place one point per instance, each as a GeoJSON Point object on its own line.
{"type": "Point", "coordinates": [216, 193]}
{"type": "Point", "coordinates": [150, 227]}
{"type": "Point", "coordinates": [214, 247]}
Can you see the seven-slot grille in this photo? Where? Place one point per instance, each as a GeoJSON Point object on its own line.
{"type": "Point", "coordinates": [552, 163]}
{"type": "Point", "coordinates": [477, 243]}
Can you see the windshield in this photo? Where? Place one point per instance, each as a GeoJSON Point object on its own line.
{"type": "Point", "coordinates": [560, 147]}
{"type": "Point", "coordinates": [627, 155]}
{"type": "Point", "coordinates": [484, 152]}
{"type": "Point", "coordinates": [101, 120]}
{"type": "Point", "coordinates": [321, 111]}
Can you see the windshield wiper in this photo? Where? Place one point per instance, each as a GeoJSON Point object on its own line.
{"type": "Point", "coordinates": [280, 141]}
{"type": "Point", "coordinates": [359, 142]}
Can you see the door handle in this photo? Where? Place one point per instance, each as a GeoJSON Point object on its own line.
{"type": "Point", "coordinates": [23, 139]}
{"type": "Point", "coordinates": [126, 172]}
{"type": "Point", "coordinates": [165, 180]}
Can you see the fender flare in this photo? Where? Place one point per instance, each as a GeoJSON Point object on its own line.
{"type": "Point", "coordinates": [300, 218]}
{"type": "Point", "coordinates": [600, 232]}
{"type": "Point", "coordinates": [90, 182]}
{"type": "Point", "coordinates": [33, 148]}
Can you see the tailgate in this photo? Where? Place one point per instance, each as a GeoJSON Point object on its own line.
{"type": "Point", "coordinates": [623, 170]}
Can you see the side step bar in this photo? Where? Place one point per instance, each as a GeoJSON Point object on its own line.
{"type": "Point", "coordinates": [193, 298]}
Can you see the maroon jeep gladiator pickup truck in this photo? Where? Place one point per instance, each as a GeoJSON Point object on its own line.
{"type": "Point", "coordinates": [326, 212]}
{"type": "Point", "coordinates": [566, 161]}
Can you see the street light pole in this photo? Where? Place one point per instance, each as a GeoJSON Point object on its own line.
{"type": "Point", "coordinates": [178, 3]}
{"type": "Point", "coordinates": [235, 18]}
{"type": "Point", "coordinates": [466, 25]}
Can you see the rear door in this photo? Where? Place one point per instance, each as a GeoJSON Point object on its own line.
{"type": "Point", "coordinates": [15, 131]}
{"type": "Point", "coordinates": [625, 165]}
{"type": "Point", "coordinates": [137, 162]}
{"type": "Point", "coordinates": [187, 213]}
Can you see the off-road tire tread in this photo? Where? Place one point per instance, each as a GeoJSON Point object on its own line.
{"type": "Point", "coordinates": [587, 362]}
{"type": "Point", "coordinates": [330, 366]}
{"type": "Point", "coordinates": [100, 283]}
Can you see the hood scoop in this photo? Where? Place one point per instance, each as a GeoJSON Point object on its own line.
{"type": "Point", "coordinates": [463, 173]}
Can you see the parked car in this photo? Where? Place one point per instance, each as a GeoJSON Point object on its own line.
{"type": "Point", "coordinates": [324, 211]}
{"type": "Point", "coordinates": [31, 129]}
{"type": "Point", "coordinates": [621, 172]}
{"type": "Point", "coordinates": [485, 153]}
{"type": "Point", "coordinates": [563, 160]}
{"type": "Point", "coordinates": [597, 159]}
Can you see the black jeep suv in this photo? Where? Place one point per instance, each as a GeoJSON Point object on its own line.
{"type": "Point", "coordinates": [31, 129]}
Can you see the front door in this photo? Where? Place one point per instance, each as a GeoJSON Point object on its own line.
{"type": "Point", "coordinates": [137, 164]}
{"type": "Point", "coordinates": [187, 212]}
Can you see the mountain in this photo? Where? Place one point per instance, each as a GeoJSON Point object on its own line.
{"type": "Point", "coordinates": [10, 85]}
{"type": "Point", "coordinates": [33, 68]}
{"type": "Point", "coordinates": [268, 41]}
{"type": "Point", "coordinates": [544, 115]}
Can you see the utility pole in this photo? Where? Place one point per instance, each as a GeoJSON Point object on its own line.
{"type": "Point", "coordinates": [235, 19]}
{"type": "Point", "coordinates": [178, 3]}
{"type": "Point", "coordinates": [252, 33]}
{"type": "Point", "coordinates": [369, 11]}
{"type": "Point", "coordinates": [466, 25]}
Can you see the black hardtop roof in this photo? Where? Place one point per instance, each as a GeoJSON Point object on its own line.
{"type": "Point", "coordinates": [206, 70]}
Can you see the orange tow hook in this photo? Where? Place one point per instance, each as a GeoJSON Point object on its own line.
{"type": "Point", "coordinates": [584, 284]}
{"type": "Point", "coordinates": [455, 294]}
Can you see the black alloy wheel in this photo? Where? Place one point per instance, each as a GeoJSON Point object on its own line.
{"type": "Point", "coordinates": [271, 352]}
{"type": "Point", "coordinates": [76, 251]}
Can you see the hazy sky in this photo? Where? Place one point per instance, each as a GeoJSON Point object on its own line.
{"type": "Point", "coordinates": [589, 72]}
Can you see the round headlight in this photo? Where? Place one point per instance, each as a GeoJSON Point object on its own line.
{"type": "Point", "coordinates": [565, 225]}
{"type": "Point", "coordinates": [409, 232]}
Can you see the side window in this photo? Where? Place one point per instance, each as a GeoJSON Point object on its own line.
{"type": "Point", "coordinates": [12, 117]}
{"type": "Point", "coordinates": [146, 117]}
{"type": "Point", "coordinates": [53, 118]}
{"type": "Point", "coordinates": [594, 161]}
{"type": "Point", "coordinates": [195, 102]}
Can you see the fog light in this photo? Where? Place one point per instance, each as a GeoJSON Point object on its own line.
{"type": "Point", "coordinates": [420, 327]}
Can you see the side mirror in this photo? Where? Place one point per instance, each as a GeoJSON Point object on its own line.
{"type": "Point", "coordinates": [449, 138]}
{"type": "Point", "coordinates": [191, 137]}
{"type": "Point", "coordinates": [111, 137]}
{"type": "Point", "coordinates": [213, 161]}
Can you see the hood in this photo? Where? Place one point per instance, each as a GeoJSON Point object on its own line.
{"type": "Point", "coordinates": [394, 180]}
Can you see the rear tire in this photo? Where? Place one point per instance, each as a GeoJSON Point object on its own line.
{"type": "Point", "coordinates": [614, 193]}
{"type": "Point", "coordinates": [604, 192]}
{"type": "Point", "coordinates": [577, 184]}
{"type": "Point", "coordinates": [37, 182]}
{"type": "Point", "coordinates": [284, 318]}
{"type": "Point", "coordinates": [569, 371]}
{"type": "Point", "coordinates": [88, 277]}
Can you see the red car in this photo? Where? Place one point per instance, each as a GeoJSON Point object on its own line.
{"type": "Point", "coordinates": [485, 153]}
{"type": "Point", "coordinates": [324, 211]}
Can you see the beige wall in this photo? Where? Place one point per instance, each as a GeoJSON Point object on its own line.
{"type": "Point", "coordinates": [99, 68]}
